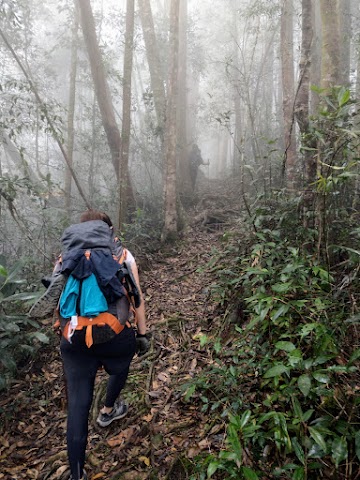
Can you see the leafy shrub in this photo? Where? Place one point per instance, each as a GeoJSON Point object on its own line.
{"type": "Point", "coordinates": [19, 336]}
{"type": "Point", "coordinates": [282, 380]}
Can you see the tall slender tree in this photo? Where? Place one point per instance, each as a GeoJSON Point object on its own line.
{"type": "Point", "coordinates": [331, 56]}
{"type": "Point", "coordinates": [302, 106]}
{"type": "Point", "coordinates": [315, 59]}
{"type": "Point", "coordinates": [124, 191]}
{"type": "Point", "coordinates": [170, 193]}
{"type": "Point", "coordinates": [71, 107]}
{"type": "Point", "coordinates": [236, 89]}
{"type": "Point", "coordinates": [287, 64]}
{"type": "Point", "coordinates": [100, 82]}
{"type": "Point", "coordinates": [182, 107]}
{"type": "Point", "coordinates": [345, 32]}
{"type": "Point", "coordinates": [155, 68]}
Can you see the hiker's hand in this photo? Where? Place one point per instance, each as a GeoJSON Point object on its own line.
{"type": "Point", "coordinates": [142, 344]}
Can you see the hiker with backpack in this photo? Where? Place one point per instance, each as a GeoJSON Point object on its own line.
{"type": "Point", "coordinates": [93, 272]}
{"type": "Point", "coordinates": [195, 161]}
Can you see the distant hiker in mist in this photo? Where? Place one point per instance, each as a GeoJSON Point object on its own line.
{"type": "Point", "coordinates": [195, 160]}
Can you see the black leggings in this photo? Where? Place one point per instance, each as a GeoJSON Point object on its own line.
{"type": "Point", "coordinates": [81, 364]}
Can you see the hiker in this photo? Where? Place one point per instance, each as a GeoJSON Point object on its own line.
{"type": "Point", "coordinates": [107, 338]}
{"type": "Point", "coordinates": [195, 160]}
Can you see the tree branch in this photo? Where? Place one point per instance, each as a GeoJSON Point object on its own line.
{"type": "Point", "coordinates": [44, 110]}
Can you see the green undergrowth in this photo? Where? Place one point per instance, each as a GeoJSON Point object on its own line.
{"type": "Point", "coordinates": [20, 336]}
{"type": "Point", "coordinates": [283, 367]}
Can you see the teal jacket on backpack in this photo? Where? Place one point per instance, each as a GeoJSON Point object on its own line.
{"type": "Point", "coordinates": [91, 302]}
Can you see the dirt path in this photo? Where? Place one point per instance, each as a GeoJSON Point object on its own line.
{"type": "Point", "coordinates": [162, 430]}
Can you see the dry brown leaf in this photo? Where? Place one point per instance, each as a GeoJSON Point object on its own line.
{"type": "Point", "coordinates": [60, 471]}
{"type": "Point", "coordinates": [203, 444]}
{"type": "Point", "coordinates": [193, 365]}
{"type": "Point", "coordinates": [148, 417]}
{"type": "Point", "coordinates": [121, 438]}
{"type": "Point", "coordinates": [32, 473]}
{"type": "Point", "coordinates": [216, 429]}
{"type": "Point", "coordinates": [163, 377]}
{"type": "Point", "coordinates": [177, 441]}
{"type": "Point", "coordinates": [146, 460]}
{"type": "Point", "coordinates": [4, 441]}
{"type": "Point", "coordinates": [94, 460]}
{"type": "Point", "coordinates": [154, 394]}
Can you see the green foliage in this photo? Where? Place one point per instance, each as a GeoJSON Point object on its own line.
{"type": "Point", "coordinates": [144, 230]}
{"type": "Point", "coordinates": [19, 336]}
{"type": "Point", "coordinates": [334, 139]}
{"type": "Point", "coordinates": [280, 379]}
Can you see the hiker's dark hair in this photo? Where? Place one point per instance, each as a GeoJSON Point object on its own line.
{"type": "Point", "coordinates": [95, 215]}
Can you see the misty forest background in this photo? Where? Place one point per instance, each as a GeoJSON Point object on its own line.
{"type": "Point", "coordinates": [249, 262]}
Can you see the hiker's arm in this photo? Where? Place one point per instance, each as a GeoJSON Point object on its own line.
{"type": "Point", "coordinates": [140, 311]}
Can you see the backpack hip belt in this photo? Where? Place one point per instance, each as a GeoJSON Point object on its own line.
{"type": "Point", "coordinates": [101, 320]}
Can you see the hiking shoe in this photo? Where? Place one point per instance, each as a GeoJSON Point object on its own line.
{"type": "Point", "coordinates": [47, 303]}
{"type": "Point", "coordinates": [119, 410]}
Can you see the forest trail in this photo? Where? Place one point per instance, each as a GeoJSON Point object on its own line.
{"type": "Point", "coordinates": [162, 428]}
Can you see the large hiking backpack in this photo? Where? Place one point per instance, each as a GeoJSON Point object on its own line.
{"type": "Point", "coordinates": [100, 291]}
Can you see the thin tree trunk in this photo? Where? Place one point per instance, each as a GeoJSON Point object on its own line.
{"type": "Point", "coordinates": [330, 65]}
{"type": "Point", "coordinates": [345, 28]}
{"type": "Point", "coordinates": [302, 112]}
{"type": "Point", "coordinates": [236, 92]}
{"type": "Point", "coordinates": [37, 141]}
{"type": "Point", "coordinates": [124, 191]}
{"type": "Point", "coordinates": [182, 107]}
{"type": "Point", "coordinates": [170, 213]}
{"type": "Point", "coordinates": [100, 83]}
{"type": "Point", "coordinates": [18, 160]}
{"type": "Point", "coordinates": [330, 77]}
{"type": "Point", "coordinates": [315, 60]}
{"type": "Point", "coordinates": [287, 62]}
{"type": "Point", "coordinates": [156, 73]}
{"type": "Point", "coordinates": [71, 112]}
{"type": "Point", "coordinates": [193, 98]}
{"type": "Point", "coordinates": [92, 167]}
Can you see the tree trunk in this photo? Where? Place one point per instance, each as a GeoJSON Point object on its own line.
{"type": "Point", "coordinates": [315, 60]}
{"type": "Point", "coordinates": [358, 71]}
{"type": "Point", "coordinates": [302, 98]}
{"type": "Point", "coordinates": [287, 63]}
{"type": "Point", "coordinates": [18, 160]}
{"type": "Point", "coordinates": [182, 104]}
{"type": "Point", "coordinates": [302, 112]}
{"type": "Point", "coordinates": [94, 135]}
{"type": "Point", "coordinates": [125, 193]}
{"type": "Point", "coordinates": [100, 83]}
{"type": "Point", "coordinates": [345, 29]}
{"type": "Point", "coordinates": [156, 73]}
{"type": "Point", "coordinates": [170, 213]}
{"type": "Point", "coordinates": [71, 110]}
{"type": "Point", "coordinates": [236, 92]}
{"type": "Point", "coordinates": [330, 64]}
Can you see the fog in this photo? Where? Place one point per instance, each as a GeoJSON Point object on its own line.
{"type": "Point", "coordinates": [238, 73]}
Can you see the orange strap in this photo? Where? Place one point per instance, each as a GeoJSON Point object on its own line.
{"type": "Point", "coordinates": [101, 320]}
